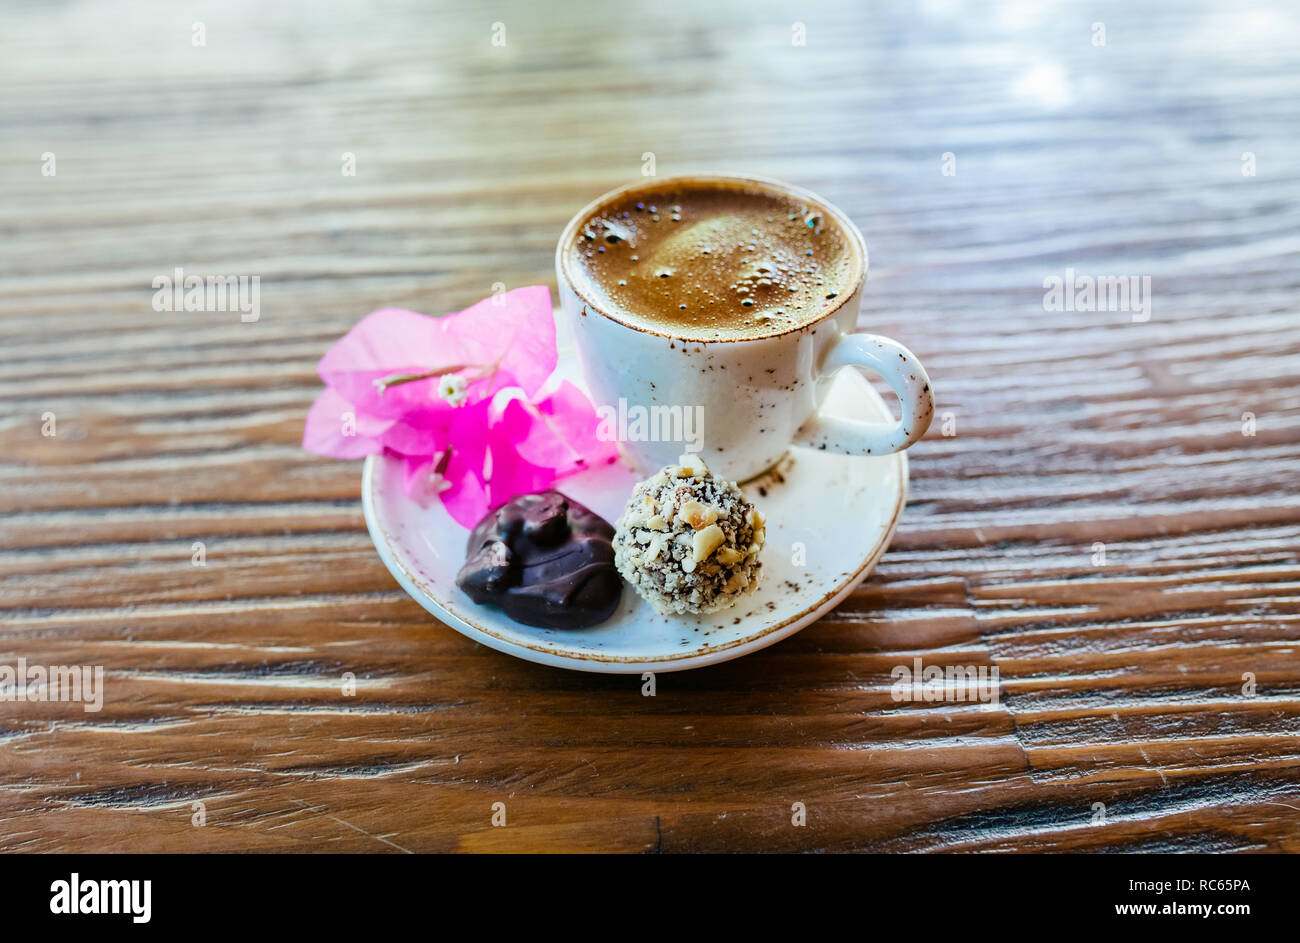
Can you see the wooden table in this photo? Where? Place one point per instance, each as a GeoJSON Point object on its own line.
{"type": "Point", "coordinates": [1107, 508]}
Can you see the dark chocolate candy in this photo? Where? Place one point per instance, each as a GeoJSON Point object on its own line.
{"type": "Point", "coordinates": [545, 560]}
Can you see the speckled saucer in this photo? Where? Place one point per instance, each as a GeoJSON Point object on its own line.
{"type": "Point", "coordinates": [830, 517]}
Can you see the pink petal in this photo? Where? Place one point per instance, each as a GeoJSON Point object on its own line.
{"type": "Point", "coordinates": [518, 327]}
{"type": "Point", "coordinates": [573, 417]}
{"type": "Point", "coordinates": [420, 432]}
{"type": "Point", "coordinates": [468, 434]}
{"type": "Point", "coordinates": [466, 500]}
{"type": "Point", "coordinates": [384, 342]}
{"type": "Point", "coordinates": [511, 475]}
{"type": "Point", "coordinates": [334, 427]}
{"type": "Point", "coordinates": [415, 475]}
{"type": "Point", "coordinates": [558, 432]}
{"type": "Point", "coordinates": [513, 332]}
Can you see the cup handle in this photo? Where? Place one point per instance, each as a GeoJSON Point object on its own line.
{"type": "Point", "coordinates": [902, 371]}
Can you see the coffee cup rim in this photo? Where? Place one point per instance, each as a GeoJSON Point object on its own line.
{"type": "Point", "coordinates": [860, 261]}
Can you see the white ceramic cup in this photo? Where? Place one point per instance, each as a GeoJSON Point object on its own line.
{"type": "Point", "coordinates": [756, 396]}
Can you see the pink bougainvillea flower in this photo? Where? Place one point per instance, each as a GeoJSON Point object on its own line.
{"type": "Point", "coordinates": [462, 399]}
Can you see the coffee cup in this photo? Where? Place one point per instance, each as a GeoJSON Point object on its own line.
{"type": "Point", "coordinates": [739, 391]}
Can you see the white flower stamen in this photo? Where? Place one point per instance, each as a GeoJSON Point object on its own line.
{"type": "Point", "coordinates": [452, 387]}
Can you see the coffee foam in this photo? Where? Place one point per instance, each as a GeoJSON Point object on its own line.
{"type": "Point", "coordinates": [705, 259]}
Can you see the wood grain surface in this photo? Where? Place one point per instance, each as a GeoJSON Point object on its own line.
{"type": "Point", "coordinates": [1088, 513]}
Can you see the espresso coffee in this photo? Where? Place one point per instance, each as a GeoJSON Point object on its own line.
{"type": "Point", "coordinates": [713, 259]}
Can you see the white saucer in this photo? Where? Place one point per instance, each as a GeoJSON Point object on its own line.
{"type": "Point", "coordinates": [841, 509]}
